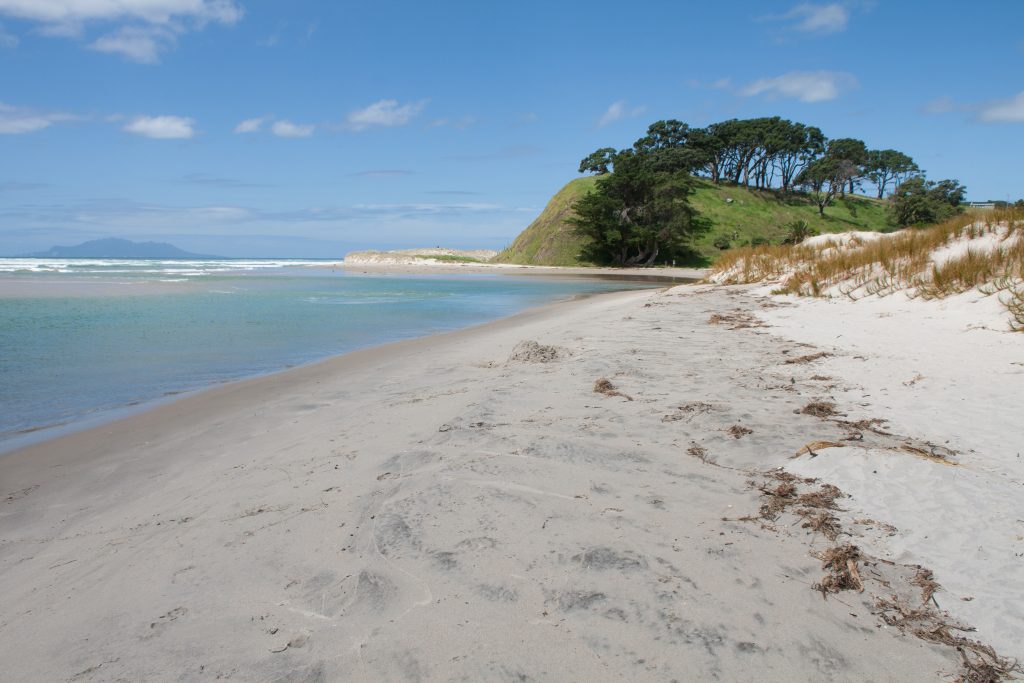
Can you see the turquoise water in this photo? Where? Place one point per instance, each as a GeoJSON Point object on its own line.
{"type": "Point", "coordinates": [78, 354]}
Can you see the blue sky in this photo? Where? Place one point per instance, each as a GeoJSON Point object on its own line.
{"type": "Point", "coordinates": [304, 128]}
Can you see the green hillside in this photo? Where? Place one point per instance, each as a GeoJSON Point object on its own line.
{"type": "Point", "coordinates": [751, 214]}
{"type": "Point", "coordinates": [548, 240]}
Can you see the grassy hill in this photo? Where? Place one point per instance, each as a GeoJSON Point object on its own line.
{"type": "Point", "coordinates": [750, 214]}
{"type": "Point", "coordinates": [548, 240]}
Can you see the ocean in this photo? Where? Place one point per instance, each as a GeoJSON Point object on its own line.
{"type": "Point", "coordinates": [86, 340]}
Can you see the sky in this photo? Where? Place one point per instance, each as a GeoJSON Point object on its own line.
{"type": "Point", "coordinates": [260, 128]}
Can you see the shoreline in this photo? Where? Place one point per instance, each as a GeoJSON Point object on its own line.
{"type": "Point", "coordinates": [327, 519]}
{"type": "Point", "coordinates": [41, 435]}
{"type": "Point", "coordinates": [407, 266]}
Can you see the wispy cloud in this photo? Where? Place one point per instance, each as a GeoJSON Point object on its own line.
{"type": "Point", "coordinates": [618, 111]}
{"type": "Point", "coordinates": [21, 120]}
{"type": "Point", "coordinates": [1008, 110]}
{"type": "Point", "coordinates": [8, 40]}
{"type": "Point", "coordinates": [142, 28]}
{"type": "Point", "coordinates": [162, 127]}
{"type": "Point", "coordinates": [824, 19]}
{"type": "Point", "coordinates": [1003, 111]}
{"type": "Point", "coordinates": [806, 86]}
{"type": "Point", "coordinates": [287, 129]}
{"type": "Point", "coordinates": [385, 114]}
{"type": "Point", "coordinates": [250, 125]}
{"type": "Point", "coordinates": [142, 44]}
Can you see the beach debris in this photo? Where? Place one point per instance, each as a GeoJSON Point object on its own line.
{"type": "Point", "coordinates": [979, 662]}
{"type": "Point", "coordinates": [841, 564]}
{"type": "Point", "coordinates": [604, 386]}
{"type": "Point", "coordinates": [814, 446]}
{"type": "Point", "coordinates": [529, 351]}
{"type": "Point", "coordinates": [925, 580]}
{"type": "Point", "coordinates": [699, 452]}
{"type": "Point", "coordinates": [820, 522]}
{"type": "Point", "coordinates": [739, 431]}
{"type": "Point", "coordinates": [736, 319]}
{"type": "Point", "coordinates": [930, 451]}
{"type": "Point", "coordinates": [809, 358]}
{"type": "Point", "coordinates": [784, 493]}
{"type": "Point", "coordinates": [688, 411]}
{"type": "Point", "coordinates": [295, 643]}
{"type": "Point", "coordinates": [821, 409]}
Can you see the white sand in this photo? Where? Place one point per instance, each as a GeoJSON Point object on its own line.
{"type": "Point", "coordinates": [434, 511]}
{"type": "Point", "coordinates": [948, 371]}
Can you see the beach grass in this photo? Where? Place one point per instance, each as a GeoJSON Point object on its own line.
{"type": "Point", "coordinates": [447, 258]}
{"type": "Point", "coordinates": [970, 251]}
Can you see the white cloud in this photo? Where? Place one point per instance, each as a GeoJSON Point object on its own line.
{"type": "Point", "coordinates": [384, 113]}
{"type": "Point", "coordinates": [250, 125]}
{"type": "Point", "coordinates": [806, 86]}
{"type": "Point", "coordinates": [1003, 111]}
{"type": "Point", "coordinates": [617, 111]}
{"type": "Point", "coordinates": [64, 12]}
{"type": "Point", "coordinates": [141, 44]}
{"type": "Point", "coordinates": [721, 84]}
{"type": "Point", "coordinates": [831, 18]}
{"type": "Point", "coordinates": [147, 27]}
{"type": "Point", "coordinates": [287, 129]}
{"type": "Point", "coordinates": [162, 127]}
{"type": "Point", "coordinates": [19, 120]}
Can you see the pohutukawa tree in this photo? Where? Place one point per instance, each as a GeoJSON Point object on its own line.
{"type": "Point", "coordinates": [885, 166]}
{"type": "Point", "coordinates": [639, 213]}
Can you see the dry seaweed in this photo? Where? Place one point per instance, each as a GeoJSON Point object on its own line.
{"type": "Point", "coordinates": [699, 452]}
{"type": "Point", "coordinates": [841, 564]}
{"type": "Point", "coordinates": [980, 663]}
{"type": "Point", "coordinates": [809, 358]}
{"type": "Point", "coordinates": [820, 409]}
{"type": "Point", "coordinates": [820, 522]}
{"type": "Point", "coordinates": [739, 431]}
{"type": "Point", "coordinates": [814, 446]}
{"type": "Point", "coordinates": [925, 580]}
{"type": "Point", "coordinates": [604, 386]}
{"type": "Point", "coordinates": [736, 320]}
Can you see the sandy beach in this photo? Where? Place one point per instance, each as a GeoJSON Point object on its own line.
{"type": "Point", "coordinates": [468, 507]}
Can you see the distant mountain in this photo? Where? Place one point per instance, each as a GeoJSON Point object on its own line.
{"type": "Point", "coordinates": [117, 248]}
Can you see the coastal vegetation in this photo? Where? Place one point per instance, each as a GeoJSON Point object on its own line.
{"type": "Point", "coordinates": [737, 216]}
{"type": "Point", "coordinates": [963, 253]}
{"type": "Point", "coordinates": [684, 195]}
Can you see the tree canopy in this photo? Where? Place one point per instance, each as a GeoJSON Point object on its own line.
{"type": "Point", "coordinates": [638, 214]}
{"type": "Point", "coordinates": [764, 153]}
{"type": "Point", "coordinates": [918, 201]}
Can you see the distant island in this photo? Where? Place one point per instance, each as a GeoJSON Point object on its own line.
{"type": "Point", "coordinates": [117, 248]}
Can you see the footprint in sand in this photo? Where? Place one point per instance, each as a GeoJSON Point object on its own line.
{"type": "Point", "coordinates": [157, 627]}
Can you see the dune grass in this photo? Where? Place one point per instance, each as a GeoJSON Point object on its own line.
{"type": "Point", "coordinates": [931, 262]}
{"type": "Point", "coordinates": [448, 258]}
